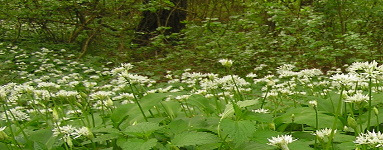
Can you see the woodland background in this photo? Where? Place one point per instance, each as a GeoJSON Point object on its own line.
{"type": "Point", "coordinates": [160, 35]}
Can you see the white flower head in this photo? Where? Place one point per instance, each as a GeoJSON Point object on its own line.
{"type": "Point", "coordinates": [345, 78]}
{"type": "Point", "coordinates": [356, 98]}
{"type": "Point", "coordinates": [226, 62]}
{"type": "Point", "coordinates": [323, 133]}
{"type": "Point", "coordinates": [370, 138]}
{"type": "Point", "coordinates": [313, 103]}
{"type": "Point", "coordinates": [261, 110]}
{"type": "Point", "coordinates": [281, 141]}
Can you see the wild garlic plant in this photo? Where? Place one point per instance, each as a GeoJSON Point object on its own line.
{"type": "Point", "coordinates": [57, 102]}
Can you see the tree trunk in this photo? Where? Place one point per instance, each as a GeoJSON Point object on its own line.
{"type": "Point", "coordinates": [161, 18]}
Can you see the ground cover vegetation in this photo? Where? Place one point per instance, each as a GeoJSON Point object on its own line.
{"type": "Point", "coordinates": [55, 102]}
{"type": "Point", "coordinates": [200, 74]}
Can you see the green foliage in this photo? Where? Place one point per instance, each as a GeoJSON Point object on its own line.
{"type": "Point", "coordinates": [193, 138]}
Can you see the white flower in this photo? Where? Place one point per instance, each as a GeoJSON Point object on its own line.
{"type": "Point", "coordinates": [356, 98]}
{"type": "Point", "coordinates": [281, 141]}
{"type": "Point", "coordinates": [313, 103]}
{"type": "Point", "coordinates": [365, 68]}
{"type": "Point", "coordinates": [251, 75]}
{"type": "Point", "coordinates": [84, 131]}
{"type": "Point", "coordinates": [226, 62]}
{"type": "Point", "coordinates": [370, 138]}
{"type": "Point", "coordinates": [261, 110]}
{"type": "Point", "coordinates": [345, 78]}
{"type": "Point", "coordinates": [15, 114]}
{"type": "Point", "coordinates": [65, 130]}
{"type": "Point", "coordinates": [323, 133]}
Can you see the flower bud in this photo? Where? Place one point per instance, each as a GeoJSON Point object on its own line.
{"type": "Point", "coordinates": [3, 135]}
{"type": "Point", "coordinates": [292, 118]}
{"type": "Point", "coordinates": [376, 111]}
{"type": "Point", "coordinates": [109, 102]}
{"type": "Point", "coordinates": [351, 122]}
{"type": "Point", "coordinates": [272, 126]}
{"type": "Point", "coordinates": [55, 114]}
{"type": "Point", "coordinates": [68, 140]}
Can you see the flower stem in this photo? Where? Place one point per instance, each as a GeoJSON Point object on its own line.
{"type": "Point", "coordinates": [136, 101]}
{"type": "Point", "coordinates": [369, 101]}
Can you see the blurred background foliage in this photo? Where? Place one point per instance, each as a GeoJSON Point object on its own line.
{"type": "Point", "coordinates": [160, 35]}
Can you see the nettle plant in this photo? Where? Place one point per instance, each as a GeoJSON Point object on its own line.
{"type": "Point", "coordinates": [58, 103]}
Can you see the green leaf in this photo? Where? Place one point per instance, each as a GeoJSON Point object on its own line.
{"type": "Point", "coordinates": [121, 113]}
{"type": "Point", "coordinates": [102, 138]}
{"type": "Point", "coordinates": [106, 130]}
{"type": "Point", "coordinates": [172, 108]}
{"type": "Point", "coordinates": [137, 144]}
{"type": "Point", "coordinates": [254, 145]}
{"type": "Point", "coordinates": [229, 111]}
{"type": "Point", "coordinates": [202, 103]}
{"type": "Point", "coordinates": [306, 115]}
{"type": "Point", "coordinates": [194, 138]}
{"type": "Point", "coordinates": [178, 126]}
{"type": "Point", "coordinates": [238, 131]}
{"type": "Point", "coordinates": [247, 103]}
{"type": "Point", "coordinates": [42, 138]}
{"type": "Point", "coordinates": [142, 129]}
{"type": "Point", "coordinates": [301, 145]}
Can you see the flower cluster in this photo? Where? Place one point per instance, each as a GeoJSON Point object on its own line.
{"type": "Point", "coordinates": [371, 139]}
{"type": "Point", "coordinates": [281, 141]}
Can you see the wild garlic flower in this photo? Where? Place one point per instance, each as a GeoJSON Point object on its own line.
{"type": "Point", "coordinates": [365, 68]}
{"type": "Point", "coordinates": [226, 62]}
{"type": "Point", "coordinates": [125, 67]}
{"type": "Point", "coordinates": [281, 141]}
{"type": "Point", "coordinates": [15, 114]}
{"type": "Point", "coordinates": [63, 93]}
{"type": "Point", "coordinates": [356, 98]}
{"type": "Point", "coordinates": [371, 139]}
{"type": "Point", "coordinates": [313, 103]}
{"type": "Point", "coordinates": [321, 134]}
{"type": "Point", "coordinates": [251, 75]}
{"type": "Point", "coordinates": [345, 78]}
{"type": "Point", "coordinates": [100, 95]}
{"type": "Point", "coordinates": [261, 110]}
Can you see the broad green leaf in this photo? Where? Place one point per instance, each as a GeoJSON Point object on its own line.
{"type": "Point", "coordinates": [102, 138]}
{"type": "Point", "coordinates": [238, 131]}
{"type": "Point", "coordinates": [121, 113]}
{"type": "Point", "coordinates": [346, 145]}
{"type": "Point", "coordinates": [42, 137]}
{"type": "Point", "coordinates": [261, 136]}
{"type": "Point", "coordinates": [142, 129]}
{"type": "Point", "coordinates": [247, 103]}
{"type": "Point", "coordinates": [306, 115]}
{"type": "Point", "coordinates": [300, 144]}
{"type": "Point", "coordinates": [137, 144]}
{"type": "Point", "coordinates": [254, 145]}
{"type": "Point", "coordinates": [203, 103]}
{"type": "Point", "coordinates": [229, 111]}
{"type": "Point", "coordinates": [193, 138]}
{"type": "Point", "coordinates": [178, 126]}
{"type": "Point", "coordinates": [106, 130]}
{"type": "Point", "coordinates": [171, 108]}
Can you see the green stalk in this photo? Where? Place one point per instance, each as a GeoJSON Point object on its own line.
{"type": "Point", "coordinates": [16, 122]}
{"type": "Point", "coordinates": [264, 98]}
{"type": "Point", "coordinates": [369, 102]}
{"type": "Point", "coordinates": [136, 101]}
{"type": "Point", "coordinates": [336, 117]}
{"type": "Point", "coordinates": [235, 84]}
{"type": "Point", "coordinates": [10, 128]}
{"type": "Point", "coordinates": [316, 126]}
